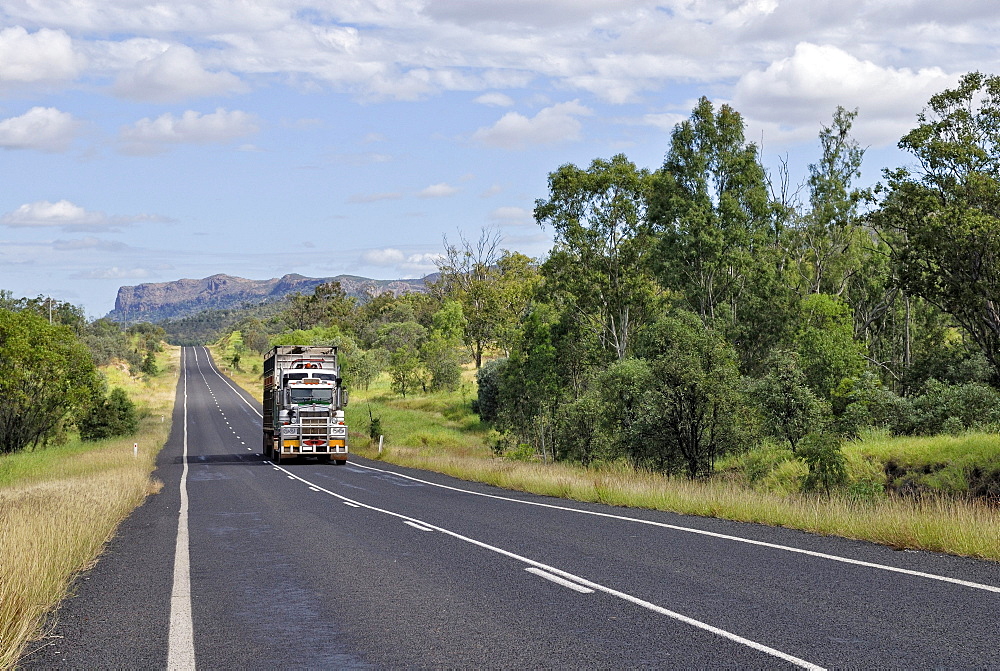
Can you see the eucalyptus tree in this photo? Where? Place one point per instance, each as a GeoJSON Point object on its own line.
{"type": "Point", "coordinates": [599, 264]}
{"type": "Point", "coordinates": [946, 212]}
{"type": "Point", "coordinates": [712, 211]}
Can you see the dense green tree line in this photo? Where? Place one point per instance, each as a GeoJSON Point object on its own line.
{"type": "Point", "coordinates": [49, 380]}
{"type": "Point", "coordinates": [698, 308]}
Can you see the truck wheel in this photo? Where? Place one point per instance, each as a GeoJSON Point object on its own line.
{"type": "Point", "coordinates": [341, 462]}
{"type": "Point", "coordinates": [266, 448]}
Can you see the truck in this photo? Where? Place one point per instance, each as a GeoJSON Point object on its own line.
{"type": "Point", "coordinates": [304, 401]}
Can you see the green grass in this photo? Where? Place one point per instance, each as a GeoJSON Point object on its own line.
{"type": "Point", "coordinates": [440, 420]}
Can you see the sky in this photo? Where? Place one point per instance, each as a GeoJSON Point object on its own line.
{"type": "Point", "coordinates": [148, 141]}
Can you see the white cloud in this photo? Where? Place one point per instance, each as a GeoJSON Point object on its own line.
{"type": "Point", "coordinates": [148, 136]}
{"type": "Point", "coordinates": [67, 215]}
{"type": "Point", "coordinates": [402, 263]}
{"type": "Point", "coordinates": [551, 125]}
{"type": "Point", "coordinates": [174, 74]}
{"type": "Point", "coordinates": [441, 190]}
{"type": "Point", "coordinates": [495, 100]}
{"type": "Point", "coordinates": [44, 128]}
{"type": "Point", "coordinates": [801, 91]}
{"type": "Point", "coordinates": [42, 56]}
{"type": "Point", "coordinates": [383, 257]}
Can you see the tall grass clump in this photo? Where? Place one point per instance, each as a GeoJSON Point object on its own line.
{"type": "Point", "coordinates": [60, 505]}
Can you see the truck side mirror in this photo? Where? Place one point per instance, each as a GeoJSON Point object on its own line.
{"type": "Point", "coordinates": [344, 397]}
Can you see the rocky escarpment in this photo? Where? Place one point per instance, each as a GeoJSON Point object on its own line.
{"type": "Point", "coordinates": [166, 300]}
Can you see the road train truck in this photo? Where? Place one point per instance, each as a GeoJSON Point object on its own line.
{"type": "Point", "coordinates": [304, 401]}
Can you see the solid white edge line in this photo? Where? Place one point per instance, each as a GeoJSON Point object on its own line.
{"type": "Point", "coordinates": [180, 645]}
{"type": "Point", "coordinates": [559, 581]}
{"type": "Point", "coordinates": [712, 534]}
{"type": "Point", "coordinates": [760, 647]}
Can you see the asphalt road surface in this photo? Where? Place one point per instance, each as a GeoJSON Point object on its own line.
{"type": "Point", "coordinates": [239, 563]}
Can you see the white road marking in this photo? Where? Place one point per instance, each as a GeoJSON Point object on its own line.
{"type": "Point", "coordinates": [760, 647]}
{"type": "Point", "coordinates": [180, 646]}
{"type": "Point", "coordinates": [712, 534]}
{"type": "Point", "coordinates": [559, 581]}
{"type": "Point", "coordinates": [348, 503]}
{"type": "Point", "coordinates": [415, 525]}
{"type": "Point", "coordinates": [314, 489]}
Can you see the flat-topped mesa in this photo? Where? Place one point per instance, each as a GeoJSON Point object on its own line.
{"type": "Point", "coordinates": [156, 301]}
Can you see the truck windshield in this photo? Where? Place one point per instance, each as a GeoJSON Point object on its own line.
{"type": "Point", "coordinates": [312, 395]}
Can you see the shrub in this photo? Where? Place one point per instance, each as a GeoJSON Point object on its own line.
{"type": "Point", "coordinates": [576, 430]}
{"type": "Point", "coordinates": [952, 408]}
{"type": "Point", "coordinates": [490, 380]}
{"type": "Point", "coordinates": [822, 453]}
{"type": "Point", "coordinates": [108, 417]}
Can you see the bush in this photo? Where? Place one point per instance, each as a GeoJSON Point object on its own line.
{"type": "Point", "coordinates": [108, 417]}
{"type": "Point", "coordinates": [576, 430]}
{"type": "Point", "coordinates": [490, 380]}
{"type": "Point", "coordinates": [952, 408]}
{"type": "Point", "coordinates": [822, 453]}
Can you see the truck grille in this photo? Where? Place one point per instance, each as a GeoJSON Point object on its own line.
{"type": "Point", "coordinates": [314, 424]}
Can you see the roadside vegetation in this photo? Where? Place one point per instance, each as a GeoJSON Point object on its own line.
{"type": "Point", "coordinates": [709, 338]}
{"type": "Point", "coordinates": [77, 398]}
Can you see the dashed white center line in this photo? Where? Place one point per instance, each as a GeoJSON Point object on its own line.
{"type": "Point", "coordinates": [348, 503]}
{"type": "Point", "coordinates": [419, 527]}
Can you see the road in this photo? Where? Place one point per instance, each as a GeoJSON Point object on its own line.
{"type": "Point", "coordinates": [239, 563]}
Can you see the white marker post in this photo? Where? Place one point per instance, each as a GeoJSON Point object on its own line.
{"type": "Point", "coordinates": [135, 450]}
{"type": "Point", "coordinates": [380, 444]}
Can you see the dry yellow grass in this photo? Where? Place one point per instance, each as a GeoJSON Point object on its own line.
{"type": "Point", "coordinates": [934, 524]}
{"type": "Point", "coordinates": [62, 504]}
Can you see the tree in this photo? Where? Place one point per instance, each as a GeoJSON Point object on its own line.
{"type": "Point", "coordinates": [712, 212]}
{"type": "Point", "coordinates": [468, 275]}
{"type": "Point", "coordinates": [440, 351]}
{"type": "Point", "coordinates": [946, 215]}
{"type": "Point", "coordinates": [689, 413]}
{"type": "Point", "coordinates": [831, 230]}
{"type": "Point", "coordinates": [825, 344]}
{"type": "Point", "coordinates": [46, 376]}
{"type": "Point", "coordinates": [600, 261]}
{"type": "Point", "coordinates": [517, 282]}
{"type": "Point", "coordinates": [328, 305]}
{"type": "Point", "coordinates": [790, 407]}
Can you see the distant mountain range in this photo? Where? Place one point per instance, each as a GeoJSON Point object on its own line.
{"type": "Point", "coordinates": [156, 302]}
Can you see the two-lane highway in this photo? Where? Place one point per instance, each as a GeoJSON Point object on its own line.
{"type": "Point", "coordinates": [242, 563]}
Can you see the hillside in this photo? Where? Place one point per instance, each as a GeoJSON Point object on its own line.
{"type": "Point", "coordinates": [156, 302]}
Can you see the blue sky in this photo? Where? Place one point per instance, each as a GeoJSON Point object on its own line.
{"type": "Point", "coordinates": [146, 142]}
